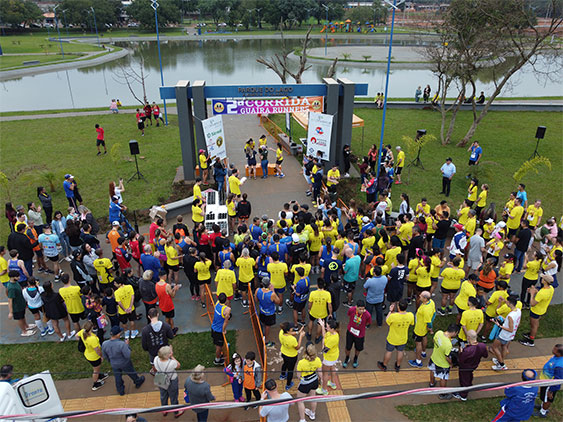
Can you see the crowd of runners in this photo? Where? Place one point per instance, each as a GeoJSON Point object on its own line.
{"type": "Point", "coordinates": [384, 267]}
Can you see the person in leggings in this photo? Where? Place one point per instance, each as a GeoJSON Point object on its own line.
{"type": "Point", "coordinates": [289, 350]}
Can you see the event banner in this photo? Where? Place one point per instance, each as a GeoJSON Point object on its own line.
{"type": "Point", "coordinates": [214, 137]}
{"type": "Point", "coordinates": [318, 135]}
{"type": "Point", "coordinates": [278, 106]}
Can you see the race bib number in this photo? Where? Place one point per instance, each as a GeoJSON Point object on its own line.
{"type": "Point", "coordinates": [355, 331]}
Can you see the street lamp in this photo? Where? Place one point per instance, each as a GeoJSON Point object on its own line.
{"type": "Point", "coordinates": [95, 24]}
{"type": "Point", "coordinates": [154, 5]}
{"type": "Point", "coordinates": [58, 30]}
{"type": "Point", "coordinates": [64, 17]}
{"type": "Point", "coordinates": [258, 9]}
{"type": "Point", "coordinates": [394, 7]}
{"type": "Point", "coordinates": [326, 30]}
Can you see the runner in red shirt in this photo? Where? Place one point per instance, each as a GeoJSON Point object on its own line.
{"type": "Point", "coordinates": [148, 112]}
{"type": "Point", "coordinates": [156, 114]}
{"type": "Point", "coordinates": [140, 116]}
{"type": "Point", "coordinates": [123, 257]}
{"type": "Point", "coordinates": [100, 139]}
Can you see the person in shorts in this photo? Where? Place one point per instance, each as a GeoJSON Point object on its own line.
{"type": "Point", "coordinates": [125, 298]}
{"type": "Point", "coordinates": [308, 368]}
{"type": "Point", "coordinates": [50, 243]}
{"type": "Point", "coordinates": [73, 301]}
{"type": "Point", "coordinates": [17, 304]}
{"type": "Point", "coordinates": [553, 369]}
{"type": "Point", "coordinates": [331, 342]}
{"type": "Point", "coordinates": [399, 323]}
{"type": "Point", "coordinates": [140, 116]}
{"type": "Point", "coordinates": [300, 295]}
{"type": "Point", "coordinates": [267, 301]}
{"type": "Point", "coordinates": [221, 317]}
{"type": "Point", "coordinates": [100, 139]}
{"type": "Point", "coordinates": [441, 360]}
{"type": "Point", "coordinates": [358, 318]}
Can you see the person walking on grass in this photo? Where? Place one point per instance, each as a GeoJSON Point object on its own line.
{"type": "Point", "coordinates": [448, 170]}
{"type": "Point", "coordinates": [89, 344]}
{"type": "Point", "coordinates": [156, 114]}
{"type": "Point", "coordinates": [118, 354]}
{"type": "Point", "coordinates": [441, 360]}
{"type": "Point", "coordinates": [140, 117]}
{"type": "Point", "coordinates": [399, 323]}
{"type": "Point", "coordinates": [100, 141]}
{"type": "Point", "coordinates": [399, 165]}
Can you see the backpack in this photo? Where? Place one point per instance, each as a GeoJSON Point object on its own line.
{"type": "Point", "coordinates": [162, 378]}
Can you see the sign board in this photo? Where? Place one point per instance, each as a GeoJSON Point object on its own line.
{"type": "Point", "coordinates": [214, 137]}
{"type": "Point", "coordinates": [319, 134]}
{"type": "Point", "coordinates": [278, 106]}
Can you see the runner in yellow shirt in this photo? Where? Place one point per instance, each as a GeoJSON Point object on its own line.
{"type": "Point", "coordinates": [203, 166]}
{"type": "Point", "coordinates": [534, 214]}
{"type": "Point", "coordinates": [513, 222]}
{"type": "Point", "coordinates": [482, 200]}
{"type": "Point", "coordinates": [246, 265]}
{"type": "Point", "coordinates": [540, 300]}
{"type": "Point", "coordinates": [279, 160]}
{"type": "Point", "coordinates": [331, 341]}
{"type": "Point", "coordinates": [399, 164]}
{"type": "Point", "coordinates": [472, 192]}
{"type": "Point", "coordinates": [422, 208]}
{"type": "Point", "coordinates": [530, 278]}
{"type": "Point", "coordinates": [463, 212]}
{"type": "Point", "coordinates": [234, 183]}
{"type": "Point", "coordinates": [423, 325]}
{"type": "Point", "coordinates": [197, 189]}
{"type": "Point", "coordinates": [453, 275]}
{"type": "Point", "coordinates": [399, 323]}
{"type": "Point", "coordinates": [278, 270]}
{"type": "Point", "coordinates": [472, 319]}
{"type": "Point", "coordinates": [466, 291]}
{"type": "Point", "coordinates": [125, 298]}
{"type": "Point", "coordinates": [226, 281]}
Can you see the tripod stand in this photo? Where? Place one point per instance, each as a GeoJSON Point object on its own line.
{"type": "Point", "coordinates": [417, 162]}
{"type": "Point", "coordinates": [536, 153]}
{"type": "Point", "coordinates": [138, 174]}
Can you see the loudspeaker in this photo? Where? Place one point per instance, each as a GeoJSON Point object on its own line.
{"type": "Point", "coordinates": [420, 133]}
{"type": "Point", "coordinates": [133, 147]}
{"type": "Point", "coordinates": [540, 132]}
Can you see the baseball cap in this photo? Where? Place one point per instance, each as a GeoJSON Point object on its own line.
{"type": "Point", "coordinates": [115, 330]}
{"type": "Point", "coordinates": [201, 151]}
{"type": "Point", "coordinates": [365, 219]}
{"type": "Point", "coordinates": [264, 217]}
{"type": "Point", "coordinates": [295, 237]}
{"type": "Point", "coordinates": [489, 220]}
{"type": "Point", "coordinates": [449, 159]}
{"type": "Point", "coordinates": [115, 223]}
{"type": "Point", "coordinates": [114, 198]}
{"type": "Point", "coordinates": [458, 226]}
{"type": "Point", "coordinates": [69, 176]}
{"type": "Point", "coordinates": [502, 224]}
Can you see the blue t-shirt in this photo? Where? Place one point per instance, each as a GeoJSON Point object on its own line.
{"type": "Point", "coordinates": [523, 196]}
{"type": "Point", "coordinates": [218, 318]}
{"type": "Point", "coordinates": [114, 212]}
{"type": "Point", "coordinates": [331, 266]}
{"type": "Point", "coordinates": [397, 277]}
{"type": "Point", "coordinates": [152, 263]}
{"type": "Point", "coordinates": [49, 243]}
{"type": "Point", "coordinates": [68, 191]}
{"type": "Point", "coordinates": [302, 290]}
{"type": "Point", "coordinates": [280, 248]}
{"type": "Point", "coordinates": [475, 153]}
{"type": "Point", "coordinates": [255, 232]}
{"type": "Point", "coordinates": [266, 305]}
{"type": "Point", "coordinates": [553, 369]}
{"type": "Point", "coordinates": [519, 402]}
{"type": "Point", "coordinates": [352, 269]}
{"type": "Point", "coordinates": [375, 287]}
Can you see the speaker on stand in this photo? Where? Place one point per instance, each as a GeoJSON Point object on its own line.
{"type": "Point", "coordinates": [540, 134]}
{"type": "Point", "coordinates": [134, 150]}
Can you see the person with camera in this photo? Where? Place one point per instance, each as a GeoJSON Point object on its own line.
{"type": "Point", "coordinates": [278, 413]}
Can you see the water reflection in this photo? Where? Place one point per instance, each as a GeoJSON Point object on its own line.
{"type": "Point", "coordinates": [229, 61]}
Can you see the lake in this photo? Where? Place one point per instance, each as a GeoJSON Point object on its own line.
{"type": "Point", "coordinates": [224, 62]}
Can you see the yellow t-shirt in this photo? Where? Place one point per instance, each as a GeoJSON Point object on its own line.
{"type": "Point", "coordinates": [382, 245]}
{"type": "Point", "coordinates": [543, 296]}
{"type": "Point", "coordinates": [263, 141]}
{"type": "Point", "coordinates": [509, 205]}
{"type": "Point", "coordinates": [102, 266]}
{"type": "Point", "coordinates": [319, 300]}
{"type": "Point", "coordinates": [297, 277]}
{"type": "Point", "coordinates": [435, 268]}
{"type": "Point", "coordinates": [5, 278]}
{"type": "Point", "coordinates": [532, 269]}
{"type": "Point", "coordinates": [171, 255]}
{"type": "Point", "coordinates": [401, 159]}
{"type": "Point", "coordinates": [197, 192]}
{"type": "Point", "coordinates": [534, 214]}
{"type": "Point", "coordinates": [399, 324]}
{"type": "Point", "coordinates": [430, 228]}
{"type": "Point", "coordinates": [367, 245]}
{"type": "Point", "coordinates": [335, 174]}
{"type": "Point", "coordinates": [487, 230]}
{"type": "Point", "coordinates": [493, 300]}
{"type": "Point", "coordinates": [482, 199]}
{"type": "Point", "coordinates": [391, 256]}
{"type": "Point", "coordinates": [73, 300]}
{"type": "Point", "coordinates": [413, 264]}
{"type": "Point", "coordinates": [471, 320]}
{"type": "Point", "coordinates": [231, 208]}
{"type": "Point", "coordinates": [424, 316]}
{"type": "Point", "coordinates": [452, 278]}
{"type": "Point", "coordinates": [505, 271]}
{"type": "Point", "coordinates": [225, 280]}
{"type": "Point", "coordinates": [423, 277]}
{"type": "Point", "coordinates": [279, 154]}
{"type": "Point", "coordinates": [234, 184]}
{"type": "Point", "coordinates": [91, 342]}
{"type": "Point", "coordinates": [197, 214]}
{"type": "Point", "coordinates": [425, 209]}
{"type": "Point", "coordinates": [466, 291]}
{"type": "Point", "coordinates": [307, 367]}
{"type": "Point", "coordinates": [331, 342]}
{"type": "Point", "coordinates": [124, 295]}
{"type": "Point", "coordinates": [472, 193]}
{"type": "Point", "coordinates": [516, 213]}
{"type": "Point", "coordinates": [246, 269]}
{"type": "Point", "coordinates": [463, 215]}
{"type": "Point", "coordinates": [316, 241]}
{"type": "Point", "coordinates": [202, 161]}
{"type": "Point", "coordinates": [405, 232]}
{"type": "Point", "coordinates": [277, 272]}
{"type": "Point", "coordinates": [202, 268]}
{"type": "Point", "coordinates": [470, 226]}
{"type": "Point", "coordinates": [288, 344]}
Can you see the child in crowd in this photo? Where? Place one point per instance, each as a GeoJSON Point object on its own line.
{"type": "Point", "coordinates": [251, 377]}
{"type": "Point", "coordinates": [234, 372]}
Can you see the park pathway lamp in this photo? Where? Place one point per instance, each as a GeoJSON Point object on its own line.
{"type": "Point", "coordinates": [64, 17]}
{"type": "Point", "coordinates": [154, 5]}
{"type": "Point", "coordinates": [58, 30]}
{"type": "Point", "coordinates": [326, 30]}
{"type": "Point", "coordinates": [394, 8]}
{"type": "Point", "coordinates": [95, 24]}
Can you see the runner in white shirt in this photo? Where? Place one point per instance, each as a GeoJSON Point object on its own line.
{"type": "Point", "coordinates": [507, 333]}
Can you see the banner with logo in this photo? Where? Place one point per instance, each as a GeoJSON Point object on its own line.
{"type": "Point", "coordinates": [214, 137]}
{"type": "Point", "coordinates": [318, 135]}
{"type": "Point", "coordinates": [277, 106]}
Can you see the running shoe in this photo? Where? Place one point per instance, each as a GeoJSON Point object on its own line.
{"type": "Point", "coordinates": [203, 305]}
{"type": "Point", "coordinates": [495, 361]}
{"type": "Point", "coordinates": [134, 333]}
{"type": "Point", "coordinates": [245, 304]}
{"type": "Point", "coordinates": [280, 310]}
{"type": "Point", "coordinates": [444, 396]}
{"type": "Point", "coordinates": [310, 413]}
{"type": "Point", "coordinates": [218, 362]}
{"type": "Point", "coordinates": [348, 305]}
{"type": "Point", "coordinates": [441, 312]}
{"type": "Point", "coordinates": [423, 354]}
{"type": "Point", "coordinates": [175, 330]}
{"type": "Point", "coordinates": [331, 385]}
{"type": "Point", "coordinates": [97, 385]}
{"type": "Point", "coordinates": [270, 344]}
{"type": "Point", "coordinates": [500, 368]}
{"type": "Point", "coordinates": [127, 334]}
{"type": "Point", "coordinates": [28, 333]}
{"type": "Point", "coordinates": [355, 364]}
{"type": "Point", "coordinates": [318, 339]}
{"type": "Point", "coordinates": [397, 367]}
{"type": "Point", "coordinates": [539, 414]}
{"type": "Point", "coordinates": [321, 391]}
{"type": "Point", "coordinates": [381, 366]}
{"type": "Point", "coordinates": [288, 386]}
{"type": "Point", "coordinates": [459, 397]}
{"type": "Point", "coordinates": [415, 364]}
{"type": "Point", "coordinates": [527, 342]}
{"type": "Point", "coordinates": [289, 303]}
{"type": "Point", "coordinates": [44, 332]}
{"type": "Point", "coordinates": [50, 331]}
{"type": "Point", "coordinates": [345, 363]}
{"type": "Point", "coordinates": [103, 376]}
{"type": "Point", "coordinates": [283, 377]}
{"type": "Point", "coordinates": [63, 338]}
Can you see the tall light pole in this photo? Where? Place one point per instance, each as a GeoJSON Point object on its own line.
{"type": "Point", "coordinates": [394, 7]}
{"type": "Point", "coordinates": [58, 30]}
{"type": "Point", "coordinates": [64, 17]}
{"type": "Point", "coordinates": [95, 24]}
{"type": "Point", "coordinates": [154, 5]}
{"type": "Point", "coordinates": [326, 31]}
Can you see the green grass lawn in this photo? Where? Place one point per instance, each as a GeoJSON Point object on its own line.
{"type": "Point", "coordinates": [550, 325]}
{"type": "Point", "coordinates": [472, 410]}
{"type": "Point", "coordinates": [507, 139]}
{"type": "Point", "coordinates": [54, 147]}
{"type": "Point", "coordinates": [190, 349]}
{"type": "Point", "coordinates": [7, 62]}
{"type": "Point", "coordinates": [39, 43]}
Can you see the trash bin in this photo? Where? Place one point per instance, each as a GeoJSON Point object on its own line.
{"type": "Point", "coordinates": [294, 148]}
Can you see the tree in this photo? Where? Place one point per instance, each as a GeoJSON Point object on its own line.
{"type": "Point", "coordinates": [19, 12]}
{"type": "Point", "coordinates": [142, 12]}
{"type": "Point", "coordinates": [289, 12]}
{"type": "Point", "coordinates": [78, 12]}
{"type": "Point", "coordinates": [215, 9]}
{"type": "Point", "coordinates": [482, 32]}
{"type": "Point", "coordinates": [133, 77]}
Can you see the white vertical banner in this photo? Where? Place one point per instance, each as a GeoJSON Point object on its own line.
{"type": "Point", "coordinates": [214, 137]}
{"type": "Point", "coordinates": [318, 135]}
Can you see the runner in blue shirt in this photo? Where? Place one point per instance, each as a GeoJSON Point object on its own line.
{"type": "Point", "coordinates": [301, 295]}
{"type": "Point", "coordinates": [255, 230]}
{"type": "Point", "coordinates": [553, 369]}
{"type": "Point", "coordinates": [267, 300]}
{"type": "Point", "coordinates": [519, 402]}
{"type": "Point", "coordinates": [278, 247]}
{"type": "Point", "coordinates": [221, 318]}
{"type": "Point", "coordinates": [351, 273]}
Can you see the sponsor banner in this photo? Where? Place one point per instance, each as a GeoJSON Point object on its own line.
{"type": "Point", "coordinates": [277, 106]}
{"type": "Point", "coordinates": [214, 137]}
{"type": "Point", "coordinates": [318, 135]}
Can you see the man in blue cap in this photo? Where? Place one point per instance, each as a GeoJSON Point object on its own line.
{"type": "Point", "coordinates": [519, 402]}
